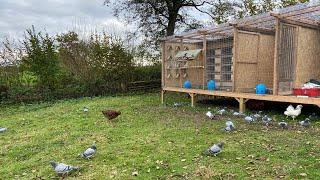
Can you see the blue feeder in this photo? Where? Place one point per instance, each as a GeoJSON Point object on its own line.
{"type": "Point", "coordinates": [187, 84]}
{"type": "Point", "coordinates": [211, 85]}
{"type": "Point", "coordinates": [261, 89]}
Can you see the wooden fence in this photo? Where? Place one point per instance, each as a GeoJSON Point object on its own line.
{"type": "Point", "coordinates": [144, 85]}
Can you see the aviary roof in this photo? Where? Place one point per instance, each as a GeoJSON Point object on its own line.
{"type": "Point", "coordinates": [304, 14]}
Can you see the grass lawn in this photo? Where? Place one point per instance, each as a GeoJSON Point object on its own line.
{"type": "Point", "coordinates": [157, 141]}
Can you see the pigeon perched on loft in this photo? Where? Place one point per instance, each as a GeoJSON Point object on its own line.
{"type": "Point", "coordinates": [214, 150]}
{"type": "Point", "coordinates": [63, 169]}
{"type": "Point", "coordinates": [293, 112]}
{"type": "Point", "coordinates": [90, 152]}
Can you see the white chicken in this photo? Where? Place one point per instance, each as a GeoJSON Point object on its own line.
{"type": "Point", "coordinates": [293, 112]}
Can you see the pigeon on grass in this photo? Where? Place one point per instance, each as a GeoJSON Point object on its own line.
{"type": "Point", "coordinates": [214, 150]}
{"type": "Point", "coordinates": [90, 152]}
{"type": "Point", "coordinates": [305, 123]}
{"type": "Point", "coordinates": [229, 126]}
{"type": "Point", "coordinates": [63, 169]}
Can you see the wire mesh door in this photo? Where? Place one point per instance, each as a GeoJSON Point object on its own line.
{"type": "Point", "coordinates": [219, 62]}
{"type": "Point", "coordinates": [287, 58]}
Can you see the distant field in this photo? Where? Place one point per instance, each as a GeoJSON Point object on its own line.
{"type": "Point", "coordinates": [154, 140]}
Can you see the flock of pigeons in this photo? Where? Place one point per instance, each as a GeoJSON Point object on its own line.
{"type": "Point", "coordinates": [265, 119]}
{"type": "Point", "coordinates": [63, 169]}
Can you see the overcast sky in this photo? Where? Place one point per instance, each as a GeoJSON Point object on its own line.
{"type": "Point", "coordinates": [55, 16]}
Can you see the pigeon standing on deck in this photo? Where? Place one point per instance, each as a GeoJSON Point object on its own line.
{"type": "Point", "coordinates": [214, 150]}
{"type": "Point", "coordinates": [62, 169]}
{"type": "Point", "coordinates": [210, 115]}
{"type": "Point", "coordinates": [88, 153]}
{"type": "Point", "coordinates": [283, 125]}
{"type": "Point", "coordinates": [305, 123]}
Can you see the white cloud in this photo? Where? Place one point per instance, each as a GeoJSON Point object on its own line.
{"type": "Point", "coordinates": [55, 16]}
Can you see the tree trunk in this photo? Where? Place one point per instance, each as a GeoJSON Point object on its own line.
{"type": "Point", "coordinates": [172, 23]}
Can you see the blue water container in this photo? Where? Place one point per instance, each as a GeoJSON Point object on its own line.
{"type": "Point", "coordinates": [211, 85]}
{"type": "Point", "coordinates": [187, 84]}
{"type": "Point", "coordinates": [261, 89]}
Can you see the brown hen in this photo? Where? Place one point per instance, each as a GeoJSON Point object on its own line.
{"type": "Point", "coordinates": [111, 114]}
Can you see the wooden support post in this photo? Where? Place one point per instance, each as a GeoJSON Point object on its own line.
{"type": "Point", "coordinates": [192, 95]}
{"type": "Point", "coordinates": [242, 104]}
{"type": "Point", "coordinates": [276, 58]}
{"type": "Point", "coordinates": [204, 52]}
{"type": "Point", "coordinates": [234, 57]}
{"type": "Point", "coordinates": [162, 96]}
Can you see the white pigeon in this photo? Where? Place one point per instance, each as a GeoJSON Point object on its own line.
{"type": "Point", "coordinates": [85, 110]}
{"type": "Point", "coordinates": [293, 113]}
{"type": "Point", "coordinates": [210, 115]}
{"type": "Point", "coordinates": [2, 130]}
{"type": "Point", "coordinates": [249, 119]}
{"type": "Point", "coordinates": [62, 169]}
{"type": "Point", "coordinates": [305, 123]}
{"type": "Point", "coordinates": [215, 149]}
{"type": "Point", "coordinates": [91, 151]}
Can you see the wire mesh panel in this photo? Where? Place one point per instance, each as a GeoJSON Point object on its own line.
{"type": "Point", "coordinates": [219, 62]}
{"type": "Point", "coordinates": [287, 57]}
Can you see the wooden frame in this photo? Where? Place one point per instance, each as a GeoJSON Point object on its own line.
{"type": "Point", "coordinates": [264, 25]}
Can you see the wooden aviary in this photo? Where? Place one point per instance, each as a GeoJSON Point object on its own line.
{"type": "Point", "coordinates": [279, 49]}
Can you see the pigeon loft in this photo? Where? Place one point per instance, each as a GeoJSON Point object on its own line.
{"type": "Point", "coordinates": [277, 49]}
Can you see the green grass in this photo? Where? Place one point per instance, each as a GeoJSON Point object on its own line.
{"type": "Point", "coordinates": [157, 141]}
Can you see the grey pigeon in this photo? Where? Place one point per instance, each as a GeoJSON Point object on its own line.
{"type": "Point", "coordinates": [236, 113]}
{"type": "Point", "coordinates": [214, 150]}
{"type": "Point", "coordinates": [210, 115]}
{"type": "Point", "coordinates": [249, 119]}
{"type": "Point", "coordinates": [229, 126]}
{"type": "Point", "coordinates": [222, 111]}
{"type": "Point", "coordinates": [2, 130]}
{"type": "Point", "coordinates": [88, 153]}
{"type": "Point", "coordinates": [177, 104]}
{"type": "Point", "coordinates": [305, 123]}
{"type": "Point", "coordinates": [283, 125]}
{"type": "Point", "coordinates": [266, 120]}
{"type": "Point", "coordinates": [62, 169]}
{"type": "Point", "coordinates": [257, 116]}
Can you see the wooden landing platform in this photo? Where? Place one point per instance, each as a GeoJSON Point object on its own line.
{"type": "Point", "coordinates": [242, 98]}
